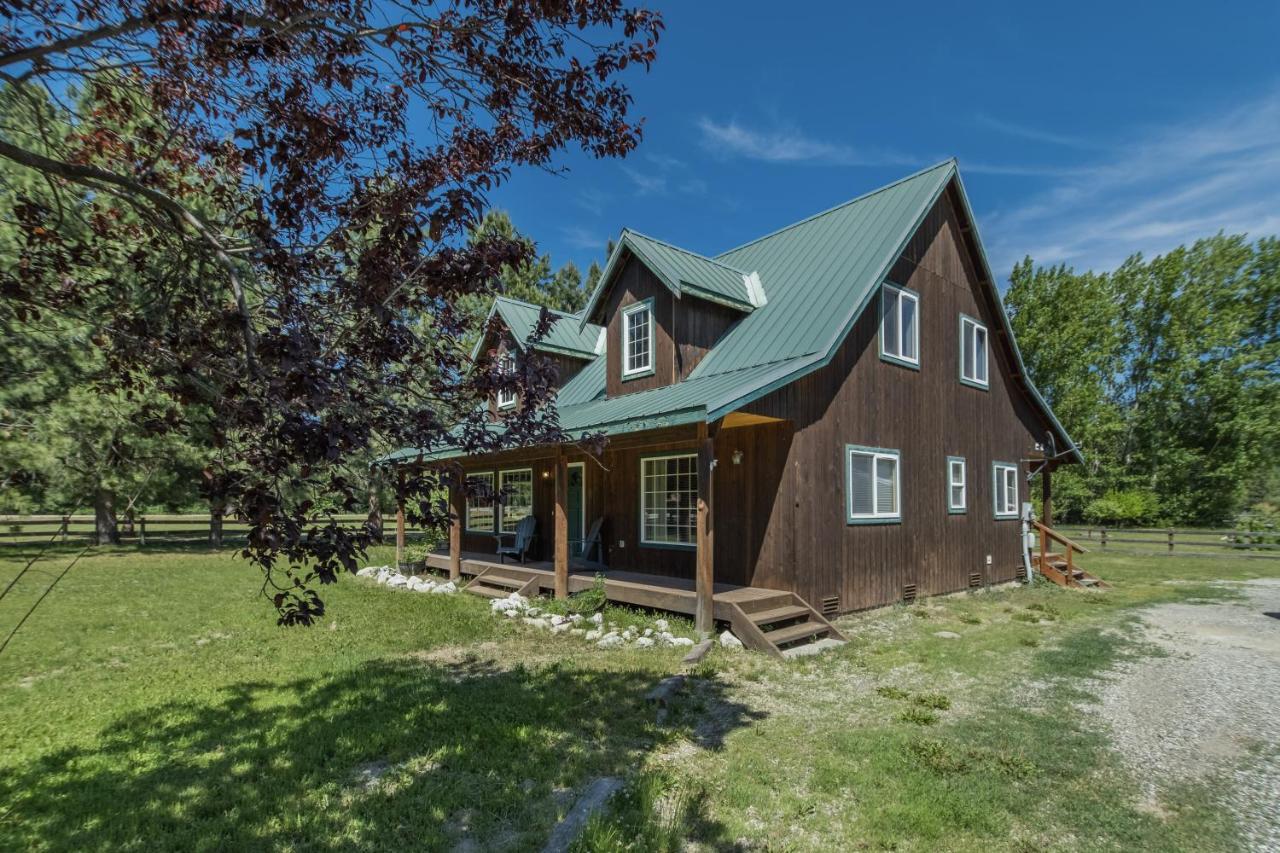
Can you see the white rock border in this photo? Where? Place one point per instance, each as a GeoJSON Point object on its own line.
{"type": "Point", "coordinates": [605, 636]}
{"type": "Point", "coordinates": [389, 577]}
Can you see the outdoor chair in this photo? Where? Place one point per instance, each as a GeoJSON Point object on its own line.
{"type": "Point", "coordinates": [523, 540]}
{"type": "Point", "coordinates": [591, 542]}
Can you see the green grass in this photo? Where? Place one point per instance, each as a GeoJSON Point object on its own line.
{"type": "Point", "coordinates": [152, 703]}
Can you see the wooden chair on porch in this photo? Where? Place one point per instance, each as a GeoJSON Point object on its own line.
{"type": "Point", "coordinates": [591, 542]}
{"type": "Point", "coordinates": [519, 548]}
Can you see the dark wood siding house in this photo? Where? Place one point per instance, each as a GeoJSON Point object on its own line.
{"type": "Point", "coordinates": [829, 418]}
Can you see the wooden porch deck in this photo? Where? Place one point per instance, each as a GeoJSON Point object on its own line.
{"type": "Point", "coordinates": [767, 620]}
{"type": "Point", "coordinates": [636, 588]}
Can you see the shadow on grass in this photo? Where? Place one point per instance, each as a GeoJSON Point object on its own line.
{"type": "Point", "coordinates": [391, 755]}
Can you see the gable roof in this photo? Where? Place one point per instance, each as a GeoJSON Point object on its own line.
{"type": "Point", "coordinates": [682, 272]}
{"type": "Point", "coordinates": [567, 336]}
{"type": "Point", "coordinates": [821, 273]}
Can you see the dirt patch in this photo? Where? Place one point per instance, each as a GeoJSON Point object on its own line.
{"type": "Point", "coordinates": [1205, 707]}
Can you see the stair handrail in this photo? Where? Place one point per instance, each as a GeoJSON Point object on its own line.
{"type": "Point", "coordinates": [1058, 537]}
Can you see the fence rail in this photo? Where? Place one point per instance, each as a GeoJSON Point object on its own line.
{"type": "Point", "coordinates": [35, 529]}
{"type": "Point", "coordinates": [1179, 541]}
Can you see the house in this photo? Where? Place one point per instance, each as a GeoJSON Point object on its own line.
{"type": "Point", "coordinates": [828, 418]}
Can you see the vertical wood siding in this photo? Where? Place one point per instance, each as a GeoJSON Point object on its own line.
{"type": "Point", "coordinates": [635, 284]}
{"type": "Point", "coordinates": [798, 539]}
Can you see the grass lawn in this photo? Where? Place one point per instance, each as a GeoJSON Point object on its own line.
{"type": "Point", "coordinates": [152, 703]}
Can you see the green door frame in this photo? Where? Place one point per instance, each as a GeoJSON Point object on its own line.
{"type": "Point", "coordinates": [575, 536]}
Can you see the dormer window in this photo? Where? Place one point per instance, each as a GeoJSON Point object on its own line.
{"type": "Point", "coordinates": [507, 367]}
{"type": "Point", "coordinates": [637, 339]}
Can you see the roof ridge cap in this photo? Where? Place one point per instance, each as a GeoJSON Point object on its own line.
{"type": "Point", "coordinates": [951, 161]}
{"type": "Point", "coordinates": [685, 251]}
{"type": "Point", "coordinates": [567, 315]}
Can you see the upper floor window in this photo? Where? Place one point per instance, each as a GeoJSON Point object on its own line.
{"type": "Point", "coordinates": [973, 352]}
{"type": "Point", "coordinates": [637, 339]}
{"type": "Point", "coordinates": [899, 325]}
{"type": "Point", "coordinates": [957, 500]}
{"type": "Point", "coordinates": [1006, 489]}
{"type": "Point", "coordinates": [871, 485]}
{"type": "Point", "coordinates": [507, 367]}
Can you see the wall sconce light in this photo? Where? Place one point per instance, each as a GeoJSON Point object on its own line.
{"type": "Point", "coordinates": [546, 475]}
{"type": "Point", "coordinates": [737, 457]}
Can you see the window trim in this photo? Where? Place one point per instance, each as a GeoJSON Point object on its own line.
{"type": "Point", "coordinates": [996, 469]}
{"type": "Point", "coordinates": [493, 503]}
{"type": "Point", "coordinates": [876, 453]}
{"type": "Point", "coordinates": [651, 367]}
{"type": "Point", "coordinates": [500, 506]}
{"type": "Point", "coordinates": [902, 361]}
{"type": "Point", "coordinates": [503, 361]}
{"type": "Point", "coordinates": [963, 508]}
{"type": "Point", "coordinates": [672, 546]}
{"type": "Point", "coordinates": [986, 345]}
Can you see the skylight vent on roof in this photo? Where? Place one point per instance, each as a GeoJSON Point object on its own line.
{"type": "Point", "coordinates": [755, 290]}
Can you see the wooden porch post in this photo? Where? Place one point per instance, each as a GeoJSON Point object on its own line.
{"type": "Point", "coordinates": [704, 580]}
{"type": "Point", "coordinates": [1046, 498]}
{"type": "Point", "coordinates": [400, 518]}
{"type": "Point", "coordinates": [562, 525]}
{"type": "Point", "coordinates": [457, 510]}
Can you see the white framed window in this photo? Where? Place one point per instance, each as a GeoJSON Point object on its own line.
{"type": "Point", "coordinates": [973, 352]}
{"type": "Point", "coordinates": [507, 367]}
{"type": "Point", "coordinates": [871, 485]}
{"type": "Point", "coordinates": [899, 325]}
{"type": "Point", "coordinates": [1005, 475]}
{"type": "Point", "coordinates": [637, 339]}
{"type": "Point", "coordinates": [669, 500]}
{"type": "Point", "coordinates": [480, 514]}
{"type": "Point", "coordinates": [957, 489]}
{"type": "Point", "coordinates": [517, 498]}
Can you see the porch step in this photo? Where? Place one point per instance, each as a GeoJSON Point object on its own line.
{"type": "Point", "coordinates": [501, 582]}
{"type": "Point", "coordinates": [779, 614]}
{"type": "Point", "coordinates": [793, 625]}
{"type": "Point", "coordinates": [799, 631]}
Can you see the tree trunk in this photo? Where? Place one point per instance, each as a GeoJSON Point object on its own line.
{"type": "Point", "coordinates": [104, 518]}
{"type": "Point", "coordinates": [375, 503]}
{"type": "Point", "coordinates": [215, 524]}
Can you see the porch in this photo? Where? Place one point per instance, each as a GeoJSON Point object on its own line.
{"type": "Point", "coordinates": [766, 620]}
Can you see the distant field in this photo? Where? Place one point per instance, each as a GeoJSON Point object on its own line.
{"type": "Point", "coordinates": [184, 527]}
{"type": "Point", "coordinates": [151, 703]}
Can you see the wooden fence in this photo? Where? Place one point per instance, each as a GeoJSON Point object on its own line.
{"type": "Point", "coordinates": [142, 529]}
{"type": "Point", "coordinates": [1169, 541]}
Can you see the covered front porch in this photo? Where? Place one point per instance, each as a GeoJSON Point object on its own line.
{"type": "Point", "coordinates": [674, 571]}
{"type": "Point", "coordinates": [766, 620]}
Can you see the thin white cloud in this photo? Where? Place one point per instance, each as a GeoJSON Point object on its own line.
{"type": "Point", "coordinates": [592, 200]}
{"type": "Point", "coordinates": [787, 144]}
{"type": "Point", "coordinates": [578, 237]}
{"type": "Point", "coordinates": [1170, 186]}
{"type": "Point", "coordinates": [1036, 134]}
{"type": "Point", "coordinates": [663, 178]}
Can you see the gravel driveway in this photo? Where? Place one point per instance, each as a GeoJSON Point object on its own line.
{"type": "Point", "coordinates": [1209, 706]}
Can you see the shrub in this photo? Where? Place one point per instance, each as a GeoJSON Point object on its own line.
{"type": "Point", "coordinates": [1124, 508]}
{"type": "Point", "coordinates": [919, 716]}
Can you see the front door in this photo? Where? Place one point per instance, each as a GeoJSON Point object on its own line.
{"type": "Point", "coordinates": [576, 504]}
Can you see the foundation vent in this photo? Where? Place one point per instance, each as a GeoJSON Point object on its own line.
{"type": "Point", "coordinates": [909, 593]}
{"type": "Point", "coordinates": [975, 580]}
{"type": "Point", "coordinates": [831, 605]}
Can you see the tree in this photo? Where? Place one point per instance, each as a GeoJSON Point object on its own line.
{"type": "Point", "coordinates": [293, 195]}
{"type": "Point", "coordinates": [1167, 372]}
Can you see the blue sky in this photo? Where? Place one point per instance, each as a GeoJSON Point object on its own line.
{"type": "Point", "coordinates": [1085, 132]}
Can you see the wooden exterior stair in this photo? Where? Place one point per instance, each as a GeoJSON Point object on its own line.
{"type": "Point", "coordinates": [782, 626]}
{"type": "Point", "coordinates": [1059, 566]}
{"type": "Point", "coordinates": [501, 582]}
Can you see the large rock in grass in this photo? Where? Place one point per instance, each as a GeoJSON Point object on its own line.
{"type": "Point", "coordinates": [729, 641]}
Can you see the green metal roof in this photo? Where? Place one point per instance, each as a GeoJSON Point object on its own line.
{"type": "Point", "coordinates": [819, 274]}
{"type": "Point", "coordinates": [567, 335]}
